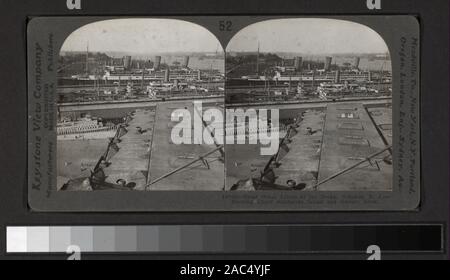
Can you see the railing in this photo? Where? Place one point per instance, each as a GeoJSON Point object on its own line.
{"type": "Point", "coordinates": [83, 129]}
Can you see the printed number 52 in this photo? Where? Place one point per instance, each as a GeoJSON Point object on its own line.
{"type": "Point", "coordinates": [225, 25]}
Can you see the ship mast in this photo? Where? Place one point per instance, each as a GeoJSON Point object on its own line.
{"type": "Point", "coordinates": [87, 58]}
{"type": "Point", "coordinates": [257, 61]}
{"type": "Point", "coordinates": [142, 81]}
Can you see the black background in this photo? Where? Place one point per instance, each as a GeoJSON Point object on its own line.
{"type": "Point", "coordinates": [433, 17]}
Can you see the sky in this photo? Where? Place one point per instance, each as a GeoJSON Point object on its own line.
{"type": "Point", "coordinates": [308, 36]}
{"type": "Point", "coordinates": [142, 36]}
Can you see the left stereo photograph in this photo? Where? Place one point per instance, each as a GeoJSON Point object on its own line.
{"type": "Point", "coordinates": [111, 132]}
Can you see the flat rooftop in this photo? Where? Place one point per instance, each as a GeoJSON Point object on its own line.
{"type": "Point", "coordinates": [167, 156]}
{"type": "Point", "coordinates": [301, 163]}
{"type": "Point", "coordinates": [131, 161]}
{"type": "Point", "coordinates": [350, 136]}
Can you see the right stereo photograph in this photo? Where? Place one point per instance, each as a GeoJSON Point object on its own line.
{"type": "Point", "coordinates": [323, 90]}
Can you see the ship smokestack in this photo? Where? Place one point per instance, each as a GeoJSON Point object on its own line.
{"type": "Point", "coordinates": [185, 62]}
{"type": "Point", "coordinates": [157, 62]}
{"type": "Point", "coordinates": [337, 77]}
{"type": "Point", "coordinates": [127, 62]}
{"type": "Point", "coordinates": [167, 75]}
{"type": "Point", "coordinates": [356, 63]}
{"type": "Point", "coordinates": [328, 60]}
{"type": "Point", "coordinates": [298, 63]}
